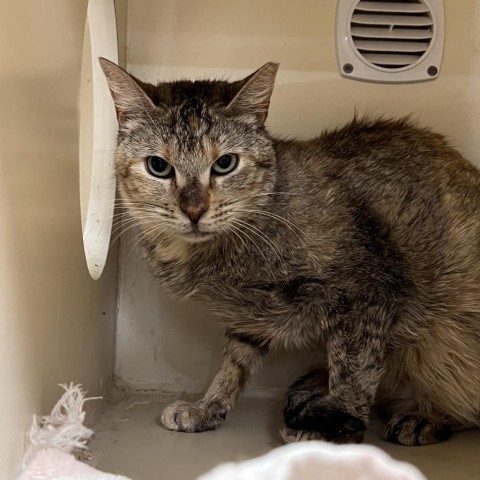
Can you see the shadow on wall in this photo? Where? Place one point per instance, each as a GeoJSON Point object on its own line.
{"type": "Point", "coordinates": [171, 346]}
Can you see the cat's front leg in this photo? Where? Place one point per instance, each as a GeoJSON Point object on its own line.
{"type": "Point", "coordinates": [337, 408]}
{"type": "Point", "coordinates": [242, 356]}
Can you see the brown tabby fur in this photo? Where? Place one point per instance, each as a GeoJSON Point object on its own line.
{"type": "Point", "coordinates": [365, 239]}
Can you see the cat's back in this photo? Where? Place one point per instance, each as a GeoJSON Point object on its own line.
{"type": "Point", "coordinates": [382, 149]}
{"type": "Point", "coordinates": [385, 162]}
{"type": "Point", "coordinates": [422, 192]}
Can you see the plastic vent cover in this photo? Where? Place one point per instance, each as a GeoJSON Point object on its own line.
{"type": "Point", "coordinates": [390, 40]}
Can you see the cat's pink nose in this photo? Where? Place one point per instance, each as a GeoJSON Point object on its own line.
{"type": "Point", "coordinates": [193, 200]}
{"type": "Point", "coordinates": [194, 212]}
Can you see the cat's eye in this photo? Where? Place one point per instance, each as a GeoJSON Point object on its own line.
{"type": "Point", "coordinates": [159, 167]}
{"type": "Point", "coordinates": [225, 164]}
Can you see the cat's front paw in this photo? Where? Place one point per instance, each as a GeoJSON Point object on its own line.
{"type": "Point", "coordinates": [319, 418]}
{"type": "Point", "coordinates": [184, 416]}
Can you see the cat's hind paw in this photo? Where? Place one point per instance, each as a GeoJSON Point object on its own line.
{"type": "Point", "coordinates": [415, 430]}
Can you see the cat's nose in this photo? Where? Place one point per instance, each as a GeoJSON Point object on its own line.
{"type": "Point", "coordinates": [193, 200]}
{"type": "Point", "coordinates": [194, 212]}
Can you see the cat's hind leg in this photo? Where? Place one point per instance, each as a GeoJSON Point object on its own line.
{"type": "Point", "coordinates": [430, 390]}
{"type": "Point", "coordinates": [412, 420]}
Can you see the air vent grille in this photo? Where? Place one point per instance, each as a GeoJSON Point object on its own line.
{"type": "Point", "coordinates": [392, 34]}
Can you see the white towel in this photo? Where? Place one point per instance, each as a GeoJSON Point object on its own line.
{"type": "Point", "coordinates": [53, 464]}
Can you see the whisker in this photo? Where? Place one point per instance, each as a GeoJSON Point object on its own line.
{"type": "Point", "coordinates": [143, 235]}
{"type": "Point", "coordinates": [290, 225]}
{"type": "Point", "coordinates": [238, 228]}
{"type": "Point", "coordinates": [261, 235]}
{"type": "Point", "coordinates": [134, 222]}
{"type": "Point", "coordinates": [230, 228]}
{"type": "Point", "coordinates": [123, 231]}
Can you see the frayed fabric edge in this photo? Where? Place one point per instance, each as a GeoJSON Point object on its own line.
{"type": "Point", "coordinates": [63, 429]}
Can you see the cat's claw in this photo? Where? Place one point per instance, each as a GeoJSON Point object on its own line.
{"type": "Point", "coordinates": [292, 436]}
{"type": "Point", "coordinates": [182, 416]}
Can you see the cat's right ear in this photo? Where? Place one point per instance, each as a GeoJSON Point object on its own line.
{"type": "Point", "coordinates": [129, 99]}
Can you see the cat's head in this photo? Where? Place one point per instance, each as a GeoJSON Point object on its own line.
{"type": "Point", "coordinates": [193, 157]}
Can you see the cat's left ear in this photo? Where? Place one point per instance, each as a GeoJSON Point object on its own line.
{"type": "Point", "coordinates": [253, 99]}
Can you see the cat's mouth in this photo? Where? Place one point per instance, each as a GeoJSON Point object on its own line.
{"type": "Point", "coordinates": [196, 235]}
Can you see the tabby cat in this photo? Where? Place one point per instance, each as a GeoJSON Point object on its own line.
{"type": "Point", "coordinates": [364, 240]}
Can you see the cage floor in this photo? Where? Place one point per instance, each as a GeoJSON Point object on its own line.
{"type": "Point", "coordinates": [129, 442]}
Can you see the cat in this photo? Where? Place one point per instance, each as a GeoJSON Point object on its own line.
{"type": "Point", "coordinates": [364, 240]}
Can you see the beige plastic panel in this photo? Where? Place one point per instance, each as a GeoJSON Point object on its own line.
{"type": "Point", "coordinates": [161, 344]}
{"type": "Point", "coordinates": [56, 323]}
